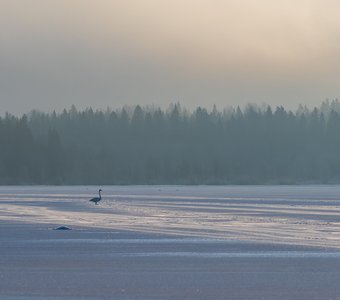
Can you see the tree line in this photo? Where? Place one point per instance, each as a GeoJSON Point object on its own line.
{"type": "Point", "coordinates": [253, 145]}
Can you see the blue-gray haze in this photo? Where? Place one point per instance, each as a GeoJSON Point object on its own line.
{"type": "Point", "coordinates": [153, 146]}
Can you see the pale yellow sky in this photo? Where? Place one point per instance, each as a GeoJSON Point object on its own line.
{"type": "Point", "coordinates": [112, 52]}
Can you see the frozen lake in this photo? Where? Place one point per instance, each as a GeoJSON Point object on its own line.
{"type": "Point", "coordinates": [170, 242]}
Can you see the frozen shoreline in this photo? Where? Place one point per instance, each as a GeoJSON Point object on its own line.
{"type": "Point", "coordinates": [308, 215]}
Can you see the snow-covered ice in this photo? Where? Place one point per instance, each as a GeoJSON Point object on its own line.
{"type": "Point", "coordinates": [170, 242]}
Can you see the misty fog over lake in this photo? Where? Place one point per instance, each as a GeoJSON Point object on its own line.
{"type": "Point", "coordinates": [169, 150]}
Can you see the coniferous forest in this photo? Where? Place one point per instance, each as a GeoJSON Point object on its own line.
{"type": "Point", "coordinates": [253, 145]}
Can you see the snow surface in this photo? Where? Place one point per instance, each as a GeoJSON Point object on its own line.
{"type": "Point", "coordinates": [170, 242]}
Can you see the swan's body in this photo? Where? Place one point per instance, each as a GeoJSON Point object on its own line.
{"type": "Point", "coordinates": [96, 199]}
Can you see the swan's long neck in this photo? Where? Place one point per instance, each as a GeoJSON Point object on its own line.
{"type": "Point", "coordinates": [100, 196]}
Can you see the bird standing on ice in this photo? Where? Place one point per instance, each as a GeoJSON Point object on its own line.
{"type": "Point", "coordinates": [96, 199]}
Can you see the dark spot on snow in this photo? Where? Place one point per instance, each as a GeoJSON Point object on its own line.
{"type": "Point", "coordinates": [62, 228]}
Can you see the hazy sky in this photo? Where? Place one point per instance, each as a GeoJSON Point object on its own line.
{"type": "Point", "coordinates": [99, 53]}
